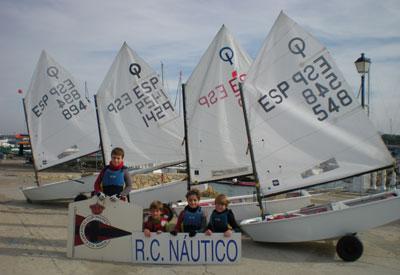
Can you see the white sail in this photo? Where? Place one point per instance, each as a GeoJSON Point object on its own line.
{"type": "Point", "coordinates": [306, 125]}
{"type": "Point", "coordinates": [216, 129]}
{"type": "Point", "coordinates": [135, 113]}
{"type": "Point", "coordinates": [61, 120]}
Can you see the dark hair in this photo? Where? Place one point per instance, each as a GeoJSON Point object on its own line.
{"type": "Point", "coordinates": [194, 192]}
{"type": "Point", "coordinates": [156, 205]}
{"type": "Point", "coordinates": [117, 151]}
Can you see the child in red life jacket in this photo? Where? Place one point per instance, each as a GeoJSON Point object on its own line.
{"type": "Point", "coordinates": [222, 219]}
{"type": "Point", "coordinates": [192, 219]}
{"type": "Point", "coordinates": [156, 221]}
{"type": "Point", "coordinates": [114, 180]}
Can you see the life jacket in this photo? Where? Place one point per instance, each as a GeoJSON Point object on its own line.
{"type": "Point", "coordinates": [219, 221]}
{"type": "Point", "coordinates": [192, 220]}
{"type": "Point", "coordinates": [113, 177]}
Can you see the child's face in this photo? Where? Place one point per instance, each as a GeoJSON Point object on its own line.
{"type": "Point", "coordinates": [193, 201]}
{"type": "Point", "coordinates": [116, 160]}
{"type": "Point", "coordinates": [155, 213]}
{"type": "Point", "coordinates": [220, 207]}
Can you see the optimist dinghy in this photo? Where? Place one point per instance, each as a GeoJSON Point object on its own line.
{"type": "Point", "coordinates": [136, 114]}
{"type": "Point", "coordinates": [62, 126]}
{"type": "Point", "coordinates": [306, 129]}
{"type": "Point", "coordinates": [217, 145]}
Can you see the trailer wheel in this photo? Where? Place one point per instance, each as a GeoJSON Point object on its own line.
{"type": "Point", "coordinates": [349, 248]}
{"type": "Point", "coordinates": [80, 197]}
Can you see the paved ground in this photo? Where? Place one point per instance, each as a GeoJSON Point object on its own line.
{"type": "Point", "coordinates": [33, 241]}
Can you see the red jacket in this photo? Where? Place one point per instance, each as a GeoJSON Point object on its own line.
{"type": "Point", "coordinates": [155, 225]}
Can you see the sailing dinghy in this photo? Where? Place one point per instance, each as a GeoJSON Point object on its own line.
{"type": "Point", "coordinates": [136, 114]}
{"type": "Point", "coordinates": [216, 134]}
{"type": "Point", "coordinates": [62, 126]}
{"type": "Point", "coordinates": [306, 129]}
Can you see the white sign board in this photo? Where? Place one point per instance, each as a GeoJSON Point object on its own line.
{"type": "Point", "coordinates": [112, 231]}
{"type": "Point", "coordinates": [181, 249]}
{"type": "Point", "coordinates": [101, 230]}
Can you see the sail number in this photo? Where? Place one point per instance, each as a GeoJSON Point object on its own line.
{"type": "Point", "coordinates": [322, 85]}
{"type": "Point", "coordinates": [151, 101]}
{"type": "Point", "coordinates": [66, 97]}
{"type": "Point", "coordinates": [220, 93]}
{"type": "Point", "coordinates": [322, 90]}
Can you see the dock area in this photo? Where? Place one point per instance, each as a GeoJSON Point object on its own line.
{"type": "Point", "coordinates": [33, 240]}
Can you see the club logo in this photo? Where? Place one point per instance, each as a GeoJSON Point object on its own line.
{"type": "Point", "coordinates": [90, 231]}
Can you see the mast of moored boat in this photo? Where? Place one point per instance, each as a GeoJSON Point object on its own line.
{"type": "Point", "coordinates": [33, 158]}
{"type": "Point", "coordinates": [185, 139]}
{"type": "Point", "coordinates": [250, 146]}
{"type": "Point", "coordinates": [98, 127]}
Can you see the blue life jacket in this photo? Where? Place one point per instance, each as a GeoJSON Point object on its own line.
{"type": "Point", "coordinates": [113, 177]}
{"type": "Point", "coordinates": [219, 221]}
{"type": "Point", "coordinates": [192, 220]}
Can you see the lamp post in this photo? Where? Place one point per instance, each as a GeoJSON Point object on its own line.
{"type": "Point", "coordinates": [362, 65]}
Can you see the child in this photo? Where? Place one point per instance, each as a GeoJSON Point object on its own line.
{"type": "Point", "coordinates": [155, 222]}
{"type": "Point", "coordinates": [222, 218]}
{"type": "Point", "coordinates": [114, 180]}
{"type": "Point", "coordinates": [192, 219]}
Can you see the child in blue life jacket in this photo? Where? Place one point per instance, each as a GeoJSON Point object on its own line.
{"type": "Point", "coordinates": [192, 219]}
{"type": "Point", "coordinates": [156, 222]}
{"type": "Point", "coordinates": [114, 180]}
{"type": "Point", "coordinates": [222, 219]}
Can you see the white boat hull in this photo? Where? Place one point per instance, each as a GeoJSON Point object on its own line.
{"type": "Point", "coordinates": [346, 217]}
{"type": "Point", "coordinates": [166, 193]}
{"type": "Point", "coordinates": [62, 190]}
{"type": "Point", "coordinates": [69, 189]}
{"type": "Point", "coordinates": [246, 206]}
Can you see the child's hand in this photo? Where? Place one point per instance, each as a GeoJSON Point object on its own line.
{"type": "Point", "coordinates": [159, 231]}
{"type": "Point", "coordinates": [208, 232]}
{"type": "Point", "coordinates": [228, 233]}
{"type": "Point", "coordinates": [147, 233]}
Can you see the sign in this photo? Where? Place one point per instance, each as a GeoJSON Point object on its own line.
{"type": "Point", "coordinates": [102, 230]}
{"type": "Point", "coordinates": [112, 231]}
{"type": "Point", "coordinates": [181, 249]}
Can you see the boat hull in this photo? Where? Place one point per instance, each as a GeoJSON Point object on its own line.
{"type": "Point", "coordinates": [246, 206]}
{"type": "Point", "coordinates": [67, 190]}
{"type": "Point", "coordinates": [167, 193]}
{"type": "Point", "coordinates": [62, 190]}
{"type": "Point", "coordinates": [349, 217]}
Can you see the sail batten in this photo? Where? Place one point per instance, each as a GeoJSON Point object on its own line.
{"type": "Point", "coordinates": [216, 130]}
{"type": "Point", "coordinates": [135, 113]}
{"type": "Point", "coordinates": [306, 125]}
{"type": "Point", "coordinates": [62, 123]}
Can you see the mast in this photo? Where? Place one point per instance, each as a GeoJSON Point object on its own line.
{"type": "Point", "coordinates": [186, 138]}
{"type": "Point", "coordinates": [177, 95]}
{"type": "Point", "coordinates": [33, 158]}
{"type": "Point", "coordinates": [253, 163]}
{"type": "Point", "coordinates": [98, 126]}
{"type": "Point", "coordinates": [162, 73]}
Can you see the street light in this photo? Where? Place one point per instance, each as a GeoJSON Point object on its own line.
{"type": "Point", "coordinates": [362, 65]}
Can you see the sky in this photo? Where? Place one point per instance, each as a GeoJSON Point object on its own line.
{"type": "Point", "coordinates": [84, 36]}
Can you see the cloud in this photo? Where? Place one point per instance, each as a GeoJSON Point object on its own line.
{"type": "Point", "coordinates": [84, 36]}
